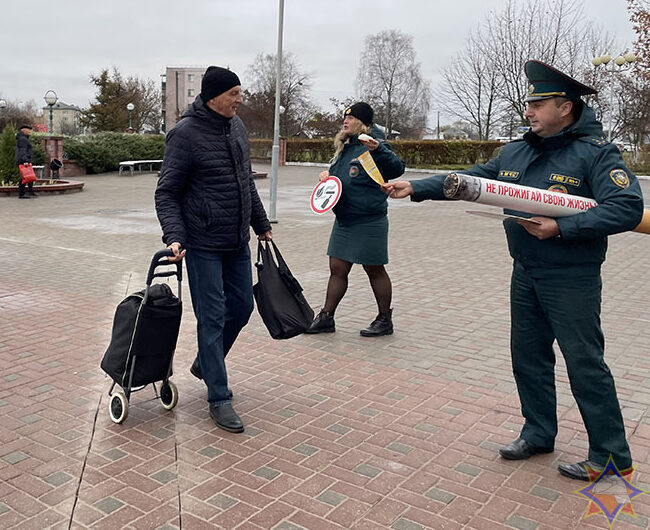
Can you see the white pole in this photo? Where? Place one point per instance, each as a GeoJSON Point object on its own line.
{"type": "Point", "coordinates": [275, 150]}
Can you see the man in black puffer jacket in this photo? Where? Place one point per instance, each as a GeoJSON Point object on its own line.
{"type": "Point", "coordinates": [206, 202]}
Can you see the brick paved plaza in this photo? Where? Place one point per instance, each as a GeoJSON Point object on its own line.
{"type": "Point", "coordinates": [342, 432]}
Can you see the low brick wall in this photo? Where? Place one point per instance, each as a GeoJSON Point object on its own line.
{"type": "Point", "coordinates": [71, 169]}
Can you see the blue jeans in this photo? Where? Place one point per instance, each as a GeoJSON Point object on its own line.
{"type": "Point", "coordinates": [221, 285]}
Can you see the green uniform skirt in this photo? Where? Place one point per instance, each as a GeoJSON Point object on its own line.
{"type": "Point", "coordinates": [365, 243]}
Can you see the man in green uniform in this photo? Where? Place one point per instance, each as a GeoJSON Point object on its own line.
{"type": "Point", "coordinates": [555, 290]}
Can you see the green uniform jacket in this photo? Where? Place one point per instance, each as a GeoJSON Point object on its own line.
{"type": "Point", "coordinates": [362, 198]}
{"type": "Point", "coordinates": [577, 161]}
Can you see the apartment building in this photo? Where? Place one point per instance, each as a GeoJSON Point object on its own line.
{"type": "Point", "coordinates": [65, 118]}
{"type": "Point", "coordinates": [180, 86]}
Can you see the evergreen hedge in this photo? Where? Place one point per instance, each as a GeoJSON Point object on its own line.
{"type": "Point", "coordinates": [103, 152]}
{"type": "Point", "coordinates": [416, 153]}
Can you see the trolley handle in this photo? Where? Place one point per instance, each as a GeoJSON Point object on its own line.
{"type": "Point", "coordinates": [160, 259]}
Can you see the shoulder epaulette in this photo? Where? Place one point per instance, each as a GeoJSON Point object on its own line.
{"type": "Point", "coordinates": [594, 140]}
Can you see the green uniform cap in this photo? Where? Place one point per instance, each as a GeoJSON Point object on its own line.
{"type": "Point", "coordinates": [546, 82]}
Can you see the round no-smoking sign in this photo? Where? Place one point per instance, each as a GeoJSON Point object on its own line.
{"type": "Point", "coordinates": [326, 195]}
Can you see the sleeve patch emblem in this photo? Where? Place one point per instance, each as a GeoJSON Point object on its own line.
{"type": "Point", "coordinates": [354, 171]}
{"type": "Point", "coordinates": [559, 188]}
{"type": "Point", "coordinates": [620, 178]}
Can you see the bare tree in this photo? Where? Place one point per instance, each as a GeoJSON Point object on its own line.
{"type": "Point", "coordinates": [640, 18]}
{"type": "Point", "coordinates": [17, 113]}
{"type": "Point", "coordinates": [147, 115]}
{"type": "Point", "coordinates": [545, 30]}
{"type": "Point", "coordinates": [637, 113]}
{"type": "Point", "coordinates": [552, 31]}
{"type": "Point", "coordinates": [295, 87]}
{"type": "Point", "coordinates": [472, 87]}
{"type": "Point", "coordinates": [326, 124]}
{"type": "Point", "coordinates": [390, 80]}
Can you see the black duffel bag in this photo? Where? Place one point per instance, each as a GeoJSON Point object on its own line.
{"type": "Point", "coordinates": [278, 295]}
{"type": "Point", "coordinates": [144, 332]}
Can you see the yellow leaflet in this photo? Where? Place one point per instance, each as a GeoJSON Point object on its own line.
{"type": "Point", "coordinates": [369, 165]}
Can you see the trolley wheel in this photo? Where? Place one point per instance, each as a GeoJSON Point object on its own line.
{"type": "Point", "coordinates": [168, 395]}
{"type": "Point", "coordinates": [118, 407]}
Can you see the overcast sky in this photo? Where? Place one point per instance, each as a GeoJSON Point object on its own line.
{"type": "Point", "coordinates": [58, 44]}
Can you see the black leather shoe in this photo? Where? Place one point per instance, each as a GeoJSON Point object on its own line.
{"type": "Point", "coordinates": [520, 449]}
{"type": "Point", "coordinates": [323, 323]}
{"type": "Point", "coordinates": [579, 471]}
{"type": "Point", "coordinates": [382, 325]}
{"type": "Point", "coordinates": [195, 369]}
{"type": "Point", "coordinates": [226, 418]}
{"type": "Point", "coordinates": [24, 197]}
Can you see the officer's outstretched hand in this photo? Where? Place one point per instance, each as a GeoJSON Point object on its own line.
{"type": "Point", "coordinates": [546, 229]}
{"type": "Point", "coordinates": [398, 189]}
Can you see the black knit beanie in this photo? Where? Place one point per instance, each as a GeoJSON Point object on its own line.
{"type": "Point", "coordinates": [362, 111]}
{"type": "Point", "coordinates": [216, 81]}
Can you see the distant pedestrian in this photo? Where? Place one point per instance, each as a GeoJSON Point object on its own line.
{"type": "Point", "coordinates": [360, 231]}
{"type": "Point", "coordinates": [24, 156]}
{"type": "Point", "coordinates": [556, 284]}
{"type": "Point", "coordinates": [207, 202]}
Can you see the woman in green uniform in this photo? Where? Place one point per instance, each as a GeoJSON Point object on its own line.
{"type": "Point", "coordinates": [360, 231]}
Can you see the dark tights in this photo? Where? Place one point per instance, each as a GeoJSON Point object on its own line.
{"type": "Point", "coordinates": [338, 284]}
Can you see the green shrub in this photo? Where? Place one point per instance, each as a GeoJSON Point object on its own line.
{"type": "Point", "coordinates": [315, 151]}
{"type": "Point", "coordinates": [261, 147]}
{"type": "Point", "coordinates": [415, 153]}
{"type": "Point", "coordinates": [39, 157]}
{"type": "Point", "coordinates": [103, 152]}
{"type": "Point", "coordinates": [444, 153]}
{"type": "Point", "coordinates": [8, 168]}
{"type": "Point", "coordinates": [639, 162]}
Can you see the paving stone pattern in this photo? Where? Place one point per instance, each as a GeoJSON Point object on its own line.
{"type": "Point", "coordinates": [342, 432]}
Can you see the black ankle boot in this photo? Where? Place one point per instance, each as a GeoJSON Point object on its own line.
{"type": "Point", "coordinates": [323, 323]}
{"type": "Point", "coordinates": [382, 325]}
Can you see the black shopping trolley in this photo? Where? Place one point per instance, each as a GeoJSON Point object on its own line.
{"type": "Point", "coordinates": [143, 340]}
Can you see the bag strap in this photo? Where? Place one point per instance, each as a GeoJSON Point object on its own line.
{"type": "Point", "coordinates": [285, 273]}
{"type": "Point", "coordinates": [259, 254]}
{"type": "Point", "coordinates": [281, 263]}
{"type": "Point", "coordinates": [264, 256]}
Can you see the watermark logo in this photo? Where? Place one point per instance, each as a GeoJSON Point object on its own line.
{"type": "Point", "coordinates": [610, 492]}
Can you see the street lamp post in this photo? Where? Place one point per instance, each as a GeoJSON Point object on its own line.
{"type": "Point", "coordinates": [130, 107]}
{"type": "Point", "coordinates": [51, 99]}
{"type": "Point", "coordinates": [3, 106]}
{"type": "Point", "coordinates": [275, 148]}
{"type": "Point", "coordinates": [621, 64]}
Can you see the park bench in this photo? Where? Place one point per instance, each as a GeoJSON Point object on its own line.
{"type": "Point", "coordinates": [39, 171]}
{"type": "Point", "coordinates": [132, 165]}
